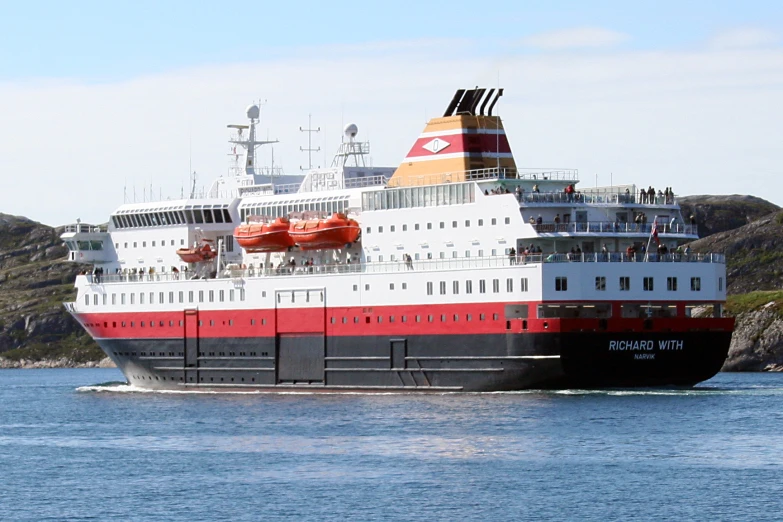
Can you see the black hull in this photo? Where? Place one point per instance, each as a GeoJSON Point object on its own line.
{"type": "Point", "coordinates": [437, 363]}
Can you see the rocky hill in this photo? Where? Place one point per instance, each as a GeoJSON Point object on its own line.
{"type": "Point", "coordinates": [35, 280]}
{"type": "Point", "coordinates": [757, 343]}
{"type": "Point", "coordinates": [754, 254]}
{"type": "Point", "coordinates": [716, 214]}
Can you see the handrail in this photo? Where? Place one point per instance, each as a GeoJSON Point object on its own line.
{"type": "Point", "coordinates": [84, 228]}
{"type": "Point", "coordinates": [604, 227]}
{"type": "Point", "coordinates": [600, 198]}
{"type": "Point", "coordinates": [420, 265]}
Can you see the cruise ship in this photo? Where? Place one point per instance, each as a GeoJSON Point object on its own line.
{"type": "Point", "coordinates": [456, 271]}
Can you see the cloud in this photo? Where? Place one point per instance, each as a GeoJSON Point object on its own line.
{"type": "Point", "coordinates": [701, 121]}
{"type": "Point", "coordinates": [744, 38]}
{"type": "Point", "coordinates": [576, 38]}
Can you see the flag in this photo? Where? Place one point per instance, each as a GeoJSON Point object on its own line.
{"type": "Point", "coordinates": [654, 232]}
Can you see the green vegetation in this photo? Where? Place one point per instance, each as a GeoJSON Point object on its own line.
{"type": "Point", "coordinates": [78, 348]}
{"type": "Point", "coordinates": [740, 303]}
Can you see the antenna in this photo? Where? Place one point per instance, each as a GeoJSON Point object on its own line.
{"type": "Point", "coordinates": [309, 130]}
{"type": "Point", "coordinates": [193, 185]}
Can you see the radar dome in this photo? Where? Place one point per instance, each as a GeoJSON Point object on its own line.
{"type": "Point", "coordinates": [253, 112]}
{"type": "Point", "coordinates": [351, 130]}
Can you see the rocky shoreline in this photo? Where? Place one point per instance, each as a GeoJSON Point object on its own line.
{"type": "Point", "coordinates": [53, 363]}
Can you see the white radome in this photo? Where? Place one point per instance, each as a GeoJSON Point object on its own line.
{"type": "Point", "coordinates": [351, 130]}
{"type": "Point", "coordinates": [253, 112]}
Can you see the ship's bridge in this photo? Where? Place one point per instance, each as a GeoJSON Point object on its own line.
{"type": "Point", "coordinates": [88, 243]}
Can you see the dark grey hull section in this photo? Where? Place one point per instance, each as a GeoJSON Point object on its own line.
{"type": "Point", "coordinates": [422, 363]}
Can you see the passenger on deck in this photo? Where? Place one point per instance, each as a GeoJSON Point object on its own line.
{"type": "Point", "coordinates": [631, 252]}
{"type": "Point", "coordinates": [532, 220]}
{"type": "Point", "coordinates": [557, 219]}
{"type": "Point", "coordinates": [539, 220]}
{"type": "Point", "coordinates": [512, 256]}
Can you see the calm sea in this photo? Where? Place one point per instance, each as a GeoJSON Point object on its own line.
{"type": "Point", "coordinates": [76, 445]}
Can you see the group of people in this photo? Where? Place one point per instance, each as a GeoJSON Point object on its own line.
{"type": "Point", "coordinates": [664, 196]}
{"type": "Point", "coordinates": [514, 257]}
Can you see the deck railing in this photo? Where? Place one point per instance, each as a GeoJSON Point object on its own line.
{"type": "Point", "coordinates": [609, 227]}
{"type": "Point", "coordinates": [600, 198]}
{"type": "Point", "coordinates": [420, 265]}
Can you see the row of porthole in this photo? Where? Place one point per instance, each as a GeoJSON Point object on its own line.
{"type": "Point", "coordinates": [201, 379]}
{"type": "Point", "coordinates": [404, 318]}
{"type": "Point", "coordinates": [123, 324]}
{"type": "Point", "coordinates": [454, 224]}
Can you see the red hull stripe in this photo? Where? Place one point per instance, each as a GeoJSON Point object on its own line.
{"type": "Point", "coordinates": [451, 319]}
{"type": "Point", "coordinates": [478, 143]}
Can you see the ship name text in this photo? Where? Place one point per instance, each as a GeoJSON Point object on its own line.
{"type": "Point", "coordinates": [663, 345]}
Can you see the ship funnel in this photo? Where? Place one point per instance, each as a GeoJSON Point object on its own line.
{"type": "Point", "coordinates": [463, 140]}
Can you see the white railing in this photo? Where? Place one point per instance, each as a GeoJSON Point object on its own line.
{"type": "Point", "coordinates": [84, 228]}
{"type": "Point", "coordinates": [608, 227]}
{"type": "Point", "coordinates": [600, 198]}
{"type": "Point", "coordinates": [420, 265]}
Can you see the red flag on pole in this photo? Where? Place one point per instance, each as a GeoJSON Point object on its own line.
{"type": "Point", "coordinates": [654, 232]}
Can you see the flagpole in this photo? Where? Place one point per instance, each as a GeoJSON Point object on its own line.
{"type": "Point", "coordinates": [649, 239]}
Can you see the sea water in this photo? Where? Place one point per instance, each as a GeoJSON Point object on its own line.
{"type": "Point", "coordinates": [80, 445]}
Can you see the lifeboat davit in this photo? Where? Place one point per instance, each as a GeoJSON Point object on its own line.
{"type": "Point", "coordinates": [264, 237]}
{"type": "Point", "coordinates": [197, 254]}
{"type": "Point", "coordinates": [334, 232]}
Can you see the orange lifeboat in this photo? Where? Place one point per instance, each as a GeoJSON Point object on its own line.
{"type": "Point", "coordinates": [197, 254]}
{"type": "Point", "coordinates": [334, 232]}
{"type": "Point", "coordinates": [264, 237]}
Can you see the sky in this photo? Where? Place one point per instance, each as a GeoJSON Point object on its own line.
{"type": "Point", "coordinates": [101, 100]}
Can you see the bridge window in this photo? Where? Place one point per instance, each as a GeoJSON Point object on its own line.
{"type": "Point", "coordinates": [391, 286]}
{"type": "Point", "coordinates": [442, 224]}
{"type": "Point", "coordinates": [416, 226]}
{"type": "Point", "coordinates": [132, 298]}
{"type": "Point", "coordinates": [391, 228]}
{"type": "Point", "coordinates": [201, 296]}
{"type": "Point", "coordinates": [561, 284]}
{"type": "Point", "coordinates": [696, 284]}
{"type": "Point", "coordinates": [481, 222]}
{"type": "Point", "coordinates": [671, 284]}
{"type": "Point", "coordinates": [482, 286]}
{"type": "Point", "coordinates": [181, 296]}
{"type": "Point", "coordinates": [222, 295]}
{"type": "Point", "coordinates": [509, 285]}
{"type": "Point", "coordinates": [494, 221]}
{"type": "Point", "coordinates": [443, 288]}
{"type": "Point", "coordinates": [625, 284]}
{"type": "Point", "coordinates": [468, 287]}
{"type": "Point", "coordinates": [86, 299]}
{"type": "Point", "coordinates": [720, 284]}
{"type": "Point", "coordinates": [404, 228]}
{"type": "Point", "coordinates": [455, 287]}
{"type": "Point", "coordinates": [648, 284]}
{"type": "Point", "coordinates": [496, 286]}
{"type": "Point", "coordinates": [523, 285]}
{"type": "Point", "coordinates": [600, 283]}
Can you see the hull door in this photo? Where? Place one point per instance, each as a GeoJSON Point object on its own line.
{"type": "Point", "coordinates": [300, 337]}
{"type": "Point", "coordinates": [191, 340]}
